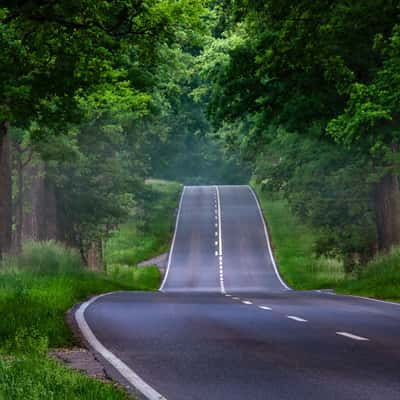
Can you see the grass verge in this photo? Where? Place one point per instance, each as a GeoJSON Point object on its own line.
{"type": "Point", "coordinates": [293, 247]}
{"type": "Point", "coordinates": [35, 291]}
{"type": "Point", "coordinates": [380, 278]}
{"type": "Point", "coordinates": [148, 232]}
{"type": "Point", "coordinates": [47, 279]}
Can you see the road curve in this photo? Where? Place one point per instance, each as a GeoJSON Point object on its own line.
{"type": "Point", "coordinates": [225, 326]}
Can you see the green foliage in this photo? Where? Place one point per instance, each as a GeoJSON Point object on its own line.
{"type": "Point", "coordinates": [34, 377]}
{"type": "Point", "coordinates": [380, 278]}
{"type": "Point", "coordinates": [92, 80]}
{"type": "Point", "coordinates": [37, 288]}
{"type": "Point", "coordinates": [297, 262]}
{"type": "Point", "coordinates": [302, 269]}
{"type": "Point", "coordinates": [322, 184]}
{"type": "Point", "coordinates": [142, 278]}
{"type": "Point", "coordinates": [307, 68]}
{"type": "Point", "coordinates": [45, 258]}
{"type": "Point", "coordinates": [148, 231]}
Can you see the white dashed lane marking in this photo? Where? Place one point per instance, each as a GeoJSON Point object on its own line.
{"type": "Point", "coordinates": [247, 302]}
{"type": "Point", "coordinates": [351, 336]}
{"type": "Point", "coordinates": [265, 308]}
{"type": "Point", "coordinates": [218, 234]}
{"type": "Point", "coordinates": [298, 319]}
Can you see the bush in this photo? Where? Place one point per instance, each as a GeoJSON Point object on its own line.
{"type": "Point", "coordinates": [143, 278]}
{"type": "Point", "coordinates": [379, 278]}
{"type": "Point", "coordinates": [48, 257]}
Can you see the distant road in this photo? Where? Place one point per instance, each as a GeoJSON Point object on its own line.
{"type": "Point", "coordinates": [224, 325]}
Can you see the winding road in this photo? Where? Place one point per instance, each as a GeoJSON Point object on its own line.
{"type": "Point", "coordinates": [224, 325]}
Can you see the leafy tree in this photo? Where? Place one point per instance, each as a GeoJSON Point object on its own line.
{"type": "Point", "coordinates": [324, 71]}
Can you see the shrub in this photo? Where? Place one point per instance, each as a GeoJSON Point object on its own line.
{"type": "Point", "coordinates": [47, 257]}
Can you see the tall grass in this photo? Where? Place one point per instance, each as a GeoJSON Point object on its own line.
{"type": "Point", "coordinates": [379, 278]}
{"type": "Point", "coordinates": [44, 258]}
{"type": "Point", "coordinates": [293, 244]}
{"type": "Point", "coordinates": [36, 289]}
{"type": "Point", "coordinates": [47, 279]}
{"type": "Point", "coordinates": [148, 232]}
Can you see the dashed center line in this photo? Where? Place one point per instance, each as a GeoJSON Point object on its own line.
{"type": "Point", "coordinates": [218, 242]}
{"type": "Point", "coordinates": [218, 253]}
{"type": "Point", "coordinates": [298, 319]}
{"type": "Point", "coordinates": [351, 336]}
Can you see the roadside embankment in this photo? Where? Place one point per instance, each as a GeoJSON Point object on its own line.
{"type": "Point", "coordinates": [293, 244]}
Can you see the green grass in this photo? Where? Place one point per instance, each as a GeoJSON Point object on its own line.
{"type": "Point", "coordinates": [35, 377]}
{"type": "Point", "coordinates": [148, 233]}
{"type": "Point", "coordinates": [293, 247]}
{"type": "Point", "coordinates": [380, 278]}
{"type": "Point", "coordinates": [36, 289]}
{"type": "Point", "coordinates": [293, 244]}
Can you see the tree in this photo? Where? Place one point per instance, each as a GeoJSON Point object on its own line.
{"type": "Point", "coordinates": [56, 53]}
{"type": "Point", "coordinates": [322, 70]}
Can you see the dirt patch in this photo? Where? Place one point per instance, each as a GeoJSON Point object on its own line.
{"type": "Point", "coordinates": [84, 359]}
{"type": "Point", "coordinates": [160, 261]}
{"type": "Point", "coordinates": [81, 360]}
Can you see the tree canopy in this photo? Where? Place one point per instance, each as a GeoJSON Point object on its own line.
{"type": "Point", "coordinates": [302, 96]}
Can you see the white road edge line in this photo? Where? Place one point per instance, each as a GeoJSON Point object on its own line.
{"type": "Point", "coordinates": [118, 364]}
{"type": "Point", "coordinates": [267, 239]}
{"type": "Point", "coordinates": [173, 240]}
{"type": "Point", "coordinates": [298, 319]}
{"type": "Point", "coordinates": [367, 298]}
{"type": "Point", "coordinates": [351, 336]}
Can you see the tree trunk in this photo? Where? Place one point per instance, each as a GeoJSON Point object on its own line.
{"type": "Point", "coordinates": [19, 210]}
{"type": "Point", "coordinates": [387, 209]}
{"type": "Point", "coordinates": [51, 220]}
{"type": "Point", "coordinates": [95, 256]}
{"type": "Point", "coordinates": [5, 190]}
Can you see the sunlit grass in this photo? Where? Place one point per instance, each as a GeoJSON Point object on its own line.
{"type": "Point", "coordinates": [293, 246]}
{"type": "Point", "coordinates": [146, 234]}
{"type": "Point", "coordinates": [301, 269]}
{"type": "Point", "coordinates": [36, 289]}
{"type": "Point", "coordinates": [380, 278]}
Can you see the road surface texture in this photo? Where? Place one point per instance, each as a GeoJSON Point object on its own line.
{"type": "Point", "coordinates": [224, 326]}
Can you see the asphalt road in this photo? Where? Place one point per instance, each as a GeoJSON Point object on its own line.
{"type": "Point", "coordinates": [225, 326]}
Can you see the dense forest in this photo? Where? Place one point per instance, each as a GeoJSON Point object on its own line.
{"type": "Point", "coordinates": [97, 96]}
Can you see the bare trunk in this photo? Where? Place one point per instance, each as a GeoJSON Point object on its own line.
{"type": "Point", "coordinates": [387, 208]}
{"type": "Point", "coordinates": [50, 212]}
{"type": "Point", "coordinates": [32, 228]}
{"type": "Point", "coordinates": [95, 256]}
{"type": "Point", "coordinates": [20, 201]}
{"type": "Point", "coordinates": [5, 190]}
